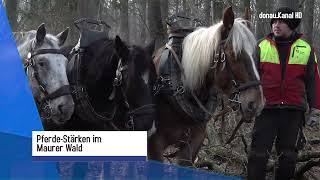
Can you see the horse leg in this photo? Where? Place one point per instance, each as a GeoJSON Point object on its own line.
{"type": "Point", "coordinates": [188, 152]}
{"type": "Point", "coordinates": [156, 146]}
{"type": "Point", "coordinates": [198, 140]}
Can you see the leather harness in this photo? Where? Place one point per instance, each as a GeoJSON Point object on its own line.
{"type": "Point", "coordinates": [83, 106]}
{"type": "Point", "coordinates": [168, 80]}
{"type": "Point", "coordinates": [62, 91]}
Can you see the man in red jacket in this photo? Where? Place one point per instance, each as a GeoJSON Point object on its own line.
{"type": "Point", "coordinates": [291, 85]}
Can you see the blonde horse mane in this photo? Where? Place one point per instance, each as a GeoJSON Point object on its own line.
{"type": "Point", "coordinates": [200, 46]}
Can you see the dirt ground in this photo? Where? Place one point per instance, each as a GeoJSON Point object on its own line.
{"type": "Point", "coordinates": [313, 133]}
{"type": "Point", "coordinates": [214, 155]}
{"type": "Point", "coordinates": [232, 159]}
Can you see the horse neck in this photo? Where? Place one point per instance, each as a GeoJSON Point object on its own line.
{"type": "Point", "coordinates": [139, 92]}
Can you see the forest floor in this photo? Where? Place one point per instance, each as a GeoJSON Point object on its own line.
{"type": "Point", "coordinates": [231, 159]}
{"type": "Point", "coordinates": [313, 133]}
{"type": "Point", "coordinates": [214, 156]}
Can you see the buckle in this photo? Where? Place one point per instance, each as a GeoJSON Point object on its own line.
{"type": "Point", "coordinates": [179, 90]}
{"type": "Point", "coordinates": [118, 79]}
{"type": "Point", "coordinates": [130, 123]}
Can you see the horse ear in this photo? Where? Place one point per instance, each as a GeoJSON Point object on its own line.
{"type": "Point", "coordinates": [228, 18]}
{"type": "Point", "coordinates": [247, 14]}
{"type": "Point", "coordinates": [41, 33]}
{"type": "Point", "coordinates": [120, 47]}
{"type": "Point", "coordinates": [150, 47]}
{"type": "Point", "coordinates": [62, 37]}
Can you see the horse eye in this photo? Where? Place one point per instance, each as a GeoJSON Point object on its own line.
{"type": "Point", "coordinates": [42, 64]}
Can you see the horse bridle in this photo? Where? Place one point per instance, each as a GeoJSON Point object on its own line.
{"type": "Point", "coordinates": [62, 91]}
{"type": "Point", "coordinates": [221, 58]}
{"type": "Point", "coordinates": [132, 112]}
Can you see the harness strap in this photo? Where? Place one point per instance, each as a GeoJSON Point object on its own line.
{"type": "Point", "coordinates": [45, 51]}
{"type": "Point", "coordinates": [62, 91]}
{"type": "Point", "coordinates": [223, 59]}
{"type": "Point", "coordinates": [192, 93]}
{"type": "Point", "coordinates": [159, 63]}
{"type": "Point", "coordinates": [176, 58]}
{"type": "Point", "coordinates": [142, 109]}
{"type": "Point", "coordinates": [30, 63]}
{"type": "Point", "coordinates": [200, 104]}
{"type": "Point", "coordinates": [249, 85]}
{"type": "Point", "coordinates": [83, 104]}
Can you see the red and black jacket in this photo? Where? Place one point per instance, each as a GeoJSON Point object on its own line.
{"type": "Point", "coordinates": [289, 73]}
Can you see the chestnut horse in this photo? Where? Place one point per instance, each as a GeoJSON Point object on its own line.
{"type": "Point", "coordinates": [217, 59]}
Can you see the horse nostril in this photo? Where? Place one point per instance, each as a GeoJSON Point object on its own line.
{"type": "Point", "coordinates": [250, 106]}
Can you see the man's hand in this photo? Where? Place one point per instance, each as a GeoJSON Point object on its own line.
{"type": "Point", "coordinates": [313, 118]}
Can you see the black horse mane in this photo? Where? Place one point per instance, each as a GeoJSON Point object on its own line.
{"type": "Point", "coordinates": [98, 71]}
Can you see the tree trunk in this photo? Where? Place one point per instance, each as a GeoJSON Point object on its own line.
{"type": "Point", "coordinates": [207, 9]}
{"type": "Point", "coordinates": [88, 9]}
{"type": "Point", "coordinates": [290, 3]}
{"type": "Point", "coordinates": [71, 10]}
{"type": "Point", "coordinates": [143, 33]}
{"type": "Point", "coordinates": [154, 22]}
{"type": "Point", "coordinates": [176, 5]}
{"type": "Point", "coordinates": [164, 15]}
{"type": "Point", "coordinates": [186, 8]}
{"type": "Point", "coordinates": [308, 20]}
{"type": "Point", "coordinates": [217, 11]}
{"type": "Point", "coordinates": [11, 8]}
{"type": "Point", "coordinates": [260, 30]}
{"type": "Point", "coordinates": [245, 4]}
{"type": "Point", "coordinates": [124, 23]}
{"type": "Point", "coordinates": [34, 14]}
{"type": "Point", "coordinates": [164, 9]}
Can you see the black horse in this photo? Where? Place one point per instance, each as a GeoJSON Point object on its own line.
{"type": "Point", "coordinates": [112, 86]}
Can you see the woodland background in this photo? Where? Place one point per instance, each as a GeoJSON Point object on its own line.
{"type": "Point", "coordinates": [139, 21]}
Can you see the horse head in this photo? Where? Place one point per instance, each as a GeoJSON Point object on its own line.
{"type": "Point", "coordinates": [223, 55]}
{"type": "Point", "coordinates": [137, 72]}
{"type": "Point", "coordinates": [45, 66]}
